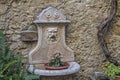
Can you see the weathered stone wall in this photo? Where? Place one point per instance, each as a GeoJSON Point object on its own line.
{"type": "Point", "coordinates": [81, 34]}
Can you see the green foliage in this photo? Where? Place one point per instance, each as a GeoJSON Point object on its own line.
{"type": "Point", "coordinates": [11, 66]}
{"type": "Point", "coordinates": [56, 60]}
{"type": "Point", "coordinates": [111, 70]}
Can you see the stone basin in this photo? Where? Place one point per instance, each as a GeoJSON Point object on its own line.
{"type": "Point", "coordinates": [73, 68]}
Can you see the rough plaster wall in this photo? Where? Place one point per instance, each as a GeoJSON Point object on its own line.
{"type": "Point", "coordinates": [85, 16]}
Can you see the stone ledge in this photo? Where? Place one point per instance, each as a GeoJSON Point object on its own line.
{"type": "Point", "coordinates": [29, 36]}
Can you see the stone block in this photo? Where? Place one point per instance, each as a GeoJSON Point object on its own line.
{"type": "Point", "coordinates": [29, 36]}
{"type": "Point", "coordinates": [99, 76]}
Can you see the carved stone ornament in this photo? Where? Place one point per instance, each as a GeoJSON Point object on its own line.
{"type": "Point", "coordinates": [51, 37]}
{"type": "Point", "coordinates": [52, 34]}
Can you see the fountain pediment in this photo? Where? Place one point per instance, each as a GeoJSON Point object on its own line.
{"type": "Point", "coordinates": [51, 15]}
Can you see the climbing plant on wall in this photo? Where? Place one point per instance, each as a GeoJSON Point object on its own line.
{"type": "Point", "coordinates": [103, 30]}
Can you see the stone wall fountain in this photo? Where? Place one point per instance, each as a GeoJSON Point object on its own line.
{"type": "Point", "coordinates": [51, 39]}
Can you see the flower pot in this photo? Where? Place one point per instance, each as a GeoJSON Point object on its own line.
{"type": "Point", "coordinates": [47, 67]}
{"type": "Point", "coordinates": [117, 77]}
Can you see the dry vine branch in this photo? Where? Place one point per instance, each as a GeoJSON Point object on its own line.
{"type": "Point", "coordinates": [103, 30]}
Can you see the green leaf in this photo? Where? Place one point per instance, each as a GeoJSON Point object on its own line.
{"type": "Point", "coordinates": [8, 65]}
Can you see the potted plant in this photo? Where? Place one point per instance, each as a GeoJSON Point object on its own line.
{"type": "Point", "coordinates": [112, 71]}
{"type": "Point", "coordinates": [55, 63]}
